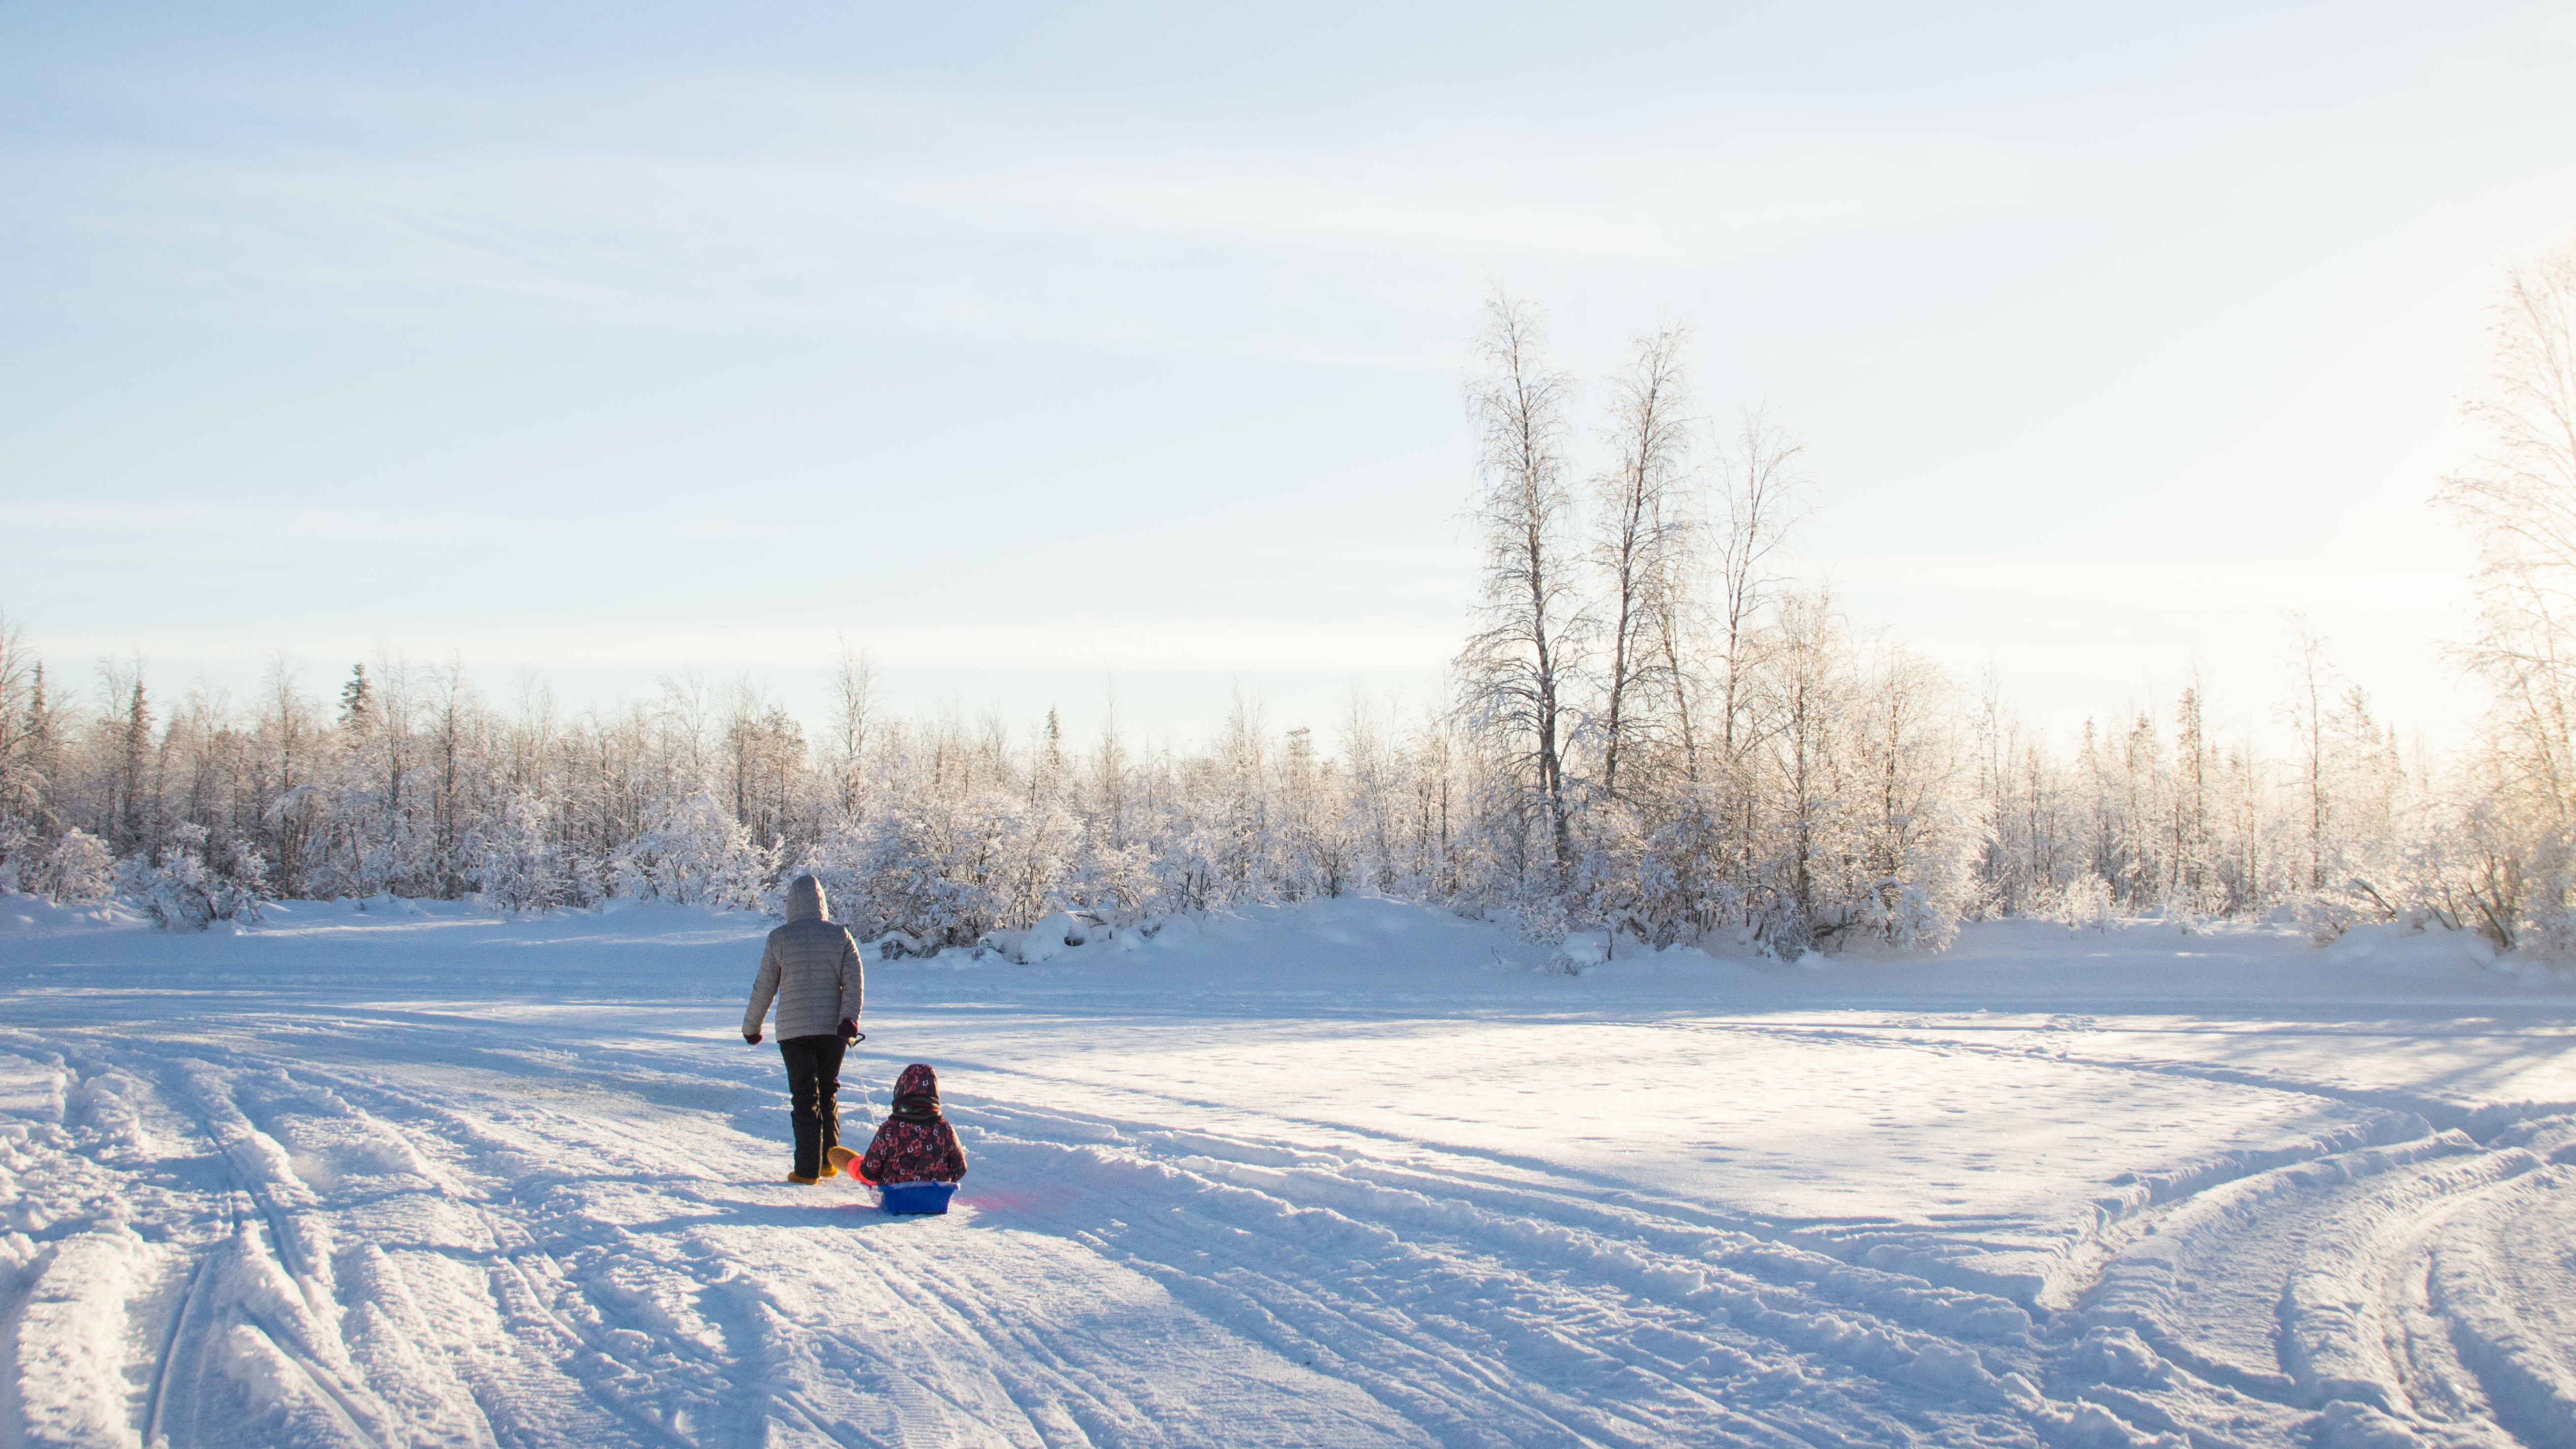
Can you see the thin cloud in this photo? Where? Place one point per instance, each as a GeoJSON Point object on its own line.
{"type": "Point", "coordinates": [1367, 645]}
{"type": "Point", "coordinates": [867, 233]}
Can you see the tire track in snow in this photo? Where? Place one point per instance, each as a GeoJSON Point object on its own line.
{"type": "Point", "coordinates": [2340, 1308]}
{"type": "Point", "coordinates": [260, 1146]}
{"type": "Point", "coordinates": [602, 1330]}
{"type": "Point", "coordinates": [596, 1355]}
{"type": "Point", "coordinates": [2488, 1277]}
{"type": "Point", "coordinates": [1551, 1208]}
{"type": "Point", "coordinates": [2090, 1240]}
{"type": "Point", "coordinates": [1573, 1249]}
{"type": "Point", "coordinates": [1327, 1319]}
{"type": "Point", "coordinates": [970, 1300]}
{"type": "Point", "coordinates": [2350, 1248]}
{"type": "Point", "coordinates": [898, 1384]}
{"type": "Point", "coordinates": [2364, 1332]}
{"type": "Point", "coordinates": [277, 1197]}
{"type": "Point", "coordinates": [479, 1138]}
{"type": "Point", "coordinates": [2036, 1261]}
{"type": "Point", "coordinates": [191, 1307]}
{"type": "Point", "coordinates": [1267, 1155]}
{"type": "Point", "coordinates": [727, 1370]}
{"type": "Point", "coordinates": [1353, 1182]}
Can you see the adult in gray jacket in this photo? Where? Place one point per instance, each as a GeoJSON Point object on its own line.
{"type": "Point", "coordinates": [811, 968]}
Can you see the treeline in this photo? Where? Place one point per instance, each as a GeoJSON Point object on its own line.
{"type": "Point", "coordinates": [1857, 795]}
{"type": "Point", "coordinates": [1655, 734]}
{"type": "Point", "coordinates": [2160, 814]}
{"type": "Point", "coordinates": [412, 783]}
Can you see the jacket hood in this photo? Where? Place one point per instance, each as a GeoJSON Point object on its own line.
{"type": "Point", "coordinates": [916, 1094]}
{"type": "Point", "coordinates": [805, 900]}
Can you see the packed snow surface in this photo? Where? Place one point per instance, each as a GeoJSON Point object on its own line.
{"type": "Point", "coordinates": [1355, 1173]}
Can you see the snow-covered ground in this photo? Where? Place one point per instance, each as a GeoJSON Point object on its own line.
{"type": "Point", "coordinates": [1350, 1174]}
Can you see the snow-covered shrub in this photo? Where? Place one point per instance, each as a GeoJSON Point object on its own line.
{"type": "Point", "coordinates": [906, 871]}
{"type": "Point", "coordinates": [2327, 914]}
{"type": "Point", "coordinates": [948, 871]}
{"type": "Point", "coordinates": [2548, 927]}
{"type": "Point", "coordinates": [1190, 871]}
{"type": "Point", "coordinates": [184, 891]}
{"type": "Point", "coordinates": [18, 845]}
{"type": "Point", "coordinates": [73, 870]}
{"type": "Point", "coordinates": [1774, 921]}
{"type": "Point", "coordinates": [80, 869]}
{"type": "Point", "coordinates": [2082, 904]}
{"type": "Point", "coordinates": [2185, 911]}
{"type": "Point", "coordinates": [697, 854]}
{"type": "Point", "coordinates": [1116, 881]}
{"type": "Point", "coordinates": [1542, 917]}
{"type": "Point", "coordinates": [520, 869]}
{"type": "Point", "coordinates": [1682, 888]}
{"type": "Point", "coordinates": [1604, 887]}
{"type": "Point", "coordinates": [1908, 915]}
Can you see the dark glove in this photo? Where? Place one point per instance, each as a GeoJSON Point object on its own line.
{"type": "Point", "coordinates": [751, 1038]}
{"type": "Point", "coordinates": [850, 1030]}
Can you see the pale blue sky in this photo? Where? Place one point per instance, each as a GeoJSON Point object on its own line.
{"type": "Point", "coordinates": [1017, 343]}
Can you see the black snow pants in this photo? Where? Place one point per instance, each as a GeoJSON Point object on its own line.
{"type": "Point", "coordinates": [813, 1087]}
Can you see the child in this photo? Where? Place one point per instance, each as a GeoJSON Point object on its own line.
{"type": "Point", "coordinates": [915, 1143]}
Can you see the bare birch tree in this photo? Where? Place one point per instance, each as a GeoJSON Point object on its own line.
{"type": "Point", "coordinates": [854, 702]}
{"type": "Point", "coordinates": [453, 714]}
{"type": "Point", "coordinates": [2310, 704]}
{"type": "Point", "coordinates": [1808, 662]}
{"type": "Point", "coordinates": [22, 711]}
{"type": "Point", "coordinates": [1643, 541]}
{"type": "Point", "coordinates": [2520, 499]}
{"type": "Point", "coordinates": [1109, 768]}
{"type": "Point", "coordinates": [1370, 761]}
{"type": "Point", "coordinates": [1766, 495]}
{"type": "Point", "coordinates": [1515, 668]}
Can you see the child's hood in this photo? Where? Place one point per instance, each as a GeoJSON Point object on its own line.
{"type": "Point", "coordinates": [916, 1093]}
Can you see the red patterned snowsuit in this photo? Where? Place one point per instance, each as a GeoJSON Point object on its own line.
{"type": "Point", "coordinates": [915, 1143]}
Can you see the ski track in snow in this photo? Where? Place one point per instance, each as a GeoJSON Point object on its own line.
{"type": "Point", "coordinates": [442, 1210]}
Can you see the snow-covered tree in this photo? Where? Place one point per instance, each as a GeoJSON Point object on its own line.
{"type": "Point", "coordinates": [1516, 672]}
{"type": "Point", "coordinates": [2519, 498]}
{"type": "Point", "coordinates": [1644, 541]}
{"type": "Point", "coordinates": [519, 867]}
{"type": "Point", "coordinates": [696, 853]}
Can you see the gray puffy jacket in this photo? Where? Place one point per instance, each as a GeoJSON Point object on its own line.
{"type": "Point", "coordinates": [811, 966]}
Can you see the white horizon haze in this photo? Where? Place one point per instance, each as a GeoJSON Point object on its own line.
{"type": "Point", "coordinates": [1027, 348]}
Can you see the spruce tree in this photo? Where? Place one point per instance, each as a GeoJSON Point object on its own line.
{"type": "Point", "coordinates": [357, 700]}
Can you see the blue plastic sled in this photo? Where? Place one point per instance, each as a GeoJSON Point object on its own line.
{"type": "Point", "coordinates": [916, 1197]}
